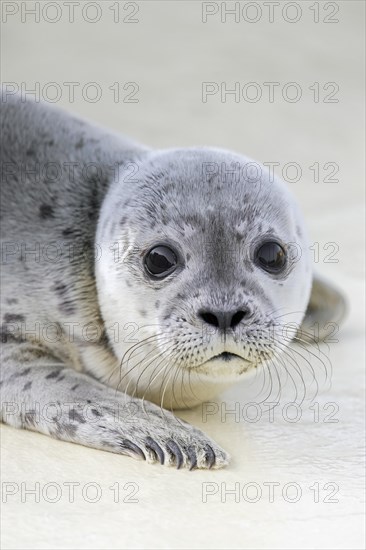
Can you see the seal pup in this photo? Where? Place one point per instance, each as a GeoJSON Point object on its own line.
{"type": "Point", "coordinates": [135, 279]}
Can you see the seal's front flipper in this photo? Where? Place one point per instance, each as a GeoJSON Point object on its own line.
{"type": "Point", "coordinates": [325, 312]}
{"type": "Point", "coordinates": [42, 394]}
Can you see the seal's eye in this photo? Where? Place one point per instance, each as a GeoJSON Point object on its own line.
{"type": "Point", "coordinates": [271, 257]}
{"type": "Point", "coordinates": [160, 261]}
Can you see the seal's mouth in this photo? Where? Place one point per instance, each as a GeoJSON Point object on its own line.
{"type": "Point", "coordinates": [226, 365]}
{"type": "Point", "coordinates": [226, 356]}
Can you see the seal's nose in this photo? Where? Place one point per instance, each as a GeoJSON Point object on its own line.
{"type": "Point", "coordinates": [223, 319]}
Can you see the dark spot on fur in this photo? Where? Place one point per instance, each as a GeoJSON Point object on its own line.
{"type": "Point", "coordinates": [95, 412]}
{"type": "Point", "coordinates": [37, 353]}
{"type": "Point", "coordinates": [30, 418]}
{"type": "Point", "coordinates": [70, 429]}
{"type": "Point", "coordinates": [79, 144]}
{"type": "Point", "coordinates": [157, 304]}
{"type": "Point", "coordinates": [67, 307]}
{"type": "Point", "coordinates": [106, 443]}
{"type": "Point", "coordinates": [60, 288]}
{"type": "Point", "coordinates": [11, 301]}
{"type": "Point", "coordinates": [13, 318]}
{"type": "Point", "coordinates": [46, 211]}
{"type": "Point", "coordinates": [24, 372]}
{"type": "Point", "coordinates": [30, 152]}
{"type": "Point", "coordinates": [50, 143]}
{"type": "Point", "coordinates": [75, 387]}
{"type": "Point", "coordinates": [68, 231]}
{"type": "Point", "coordinates": [92, 213]}
{"type": "Point", "coordinates": [74, 416]}
{"type": "Point", "coordinates": [27, 386]}
{"type": "Point", "coordinates": [53, 374]}
{"type": "Point", "coordinates": [142, 312]}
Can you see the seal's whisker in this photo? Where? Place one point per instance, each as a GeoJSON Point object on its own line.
{"type": "Point", "coordinates": [174, 399]}
{"type": "Point", "coordinates": [165, 388]}
{"type": "Point", "coordinates": [138, 365]}
{"type": "Point", "coordinates": [307, 346]}
{"type": "Point", "coordinates": [288, 352]}
{"type": "Point", "coordinates": [161, 356]}
{"type": "Point", "coordinates": [260, 372]}
{"type": "Point", "coordinates": [325, 363]}
{"type": "Point", "coordinates": [311, 338]}
{"type": "Point", "coordinates": [189, 371]}
{"type": "Point", "coordinates": [164, 367]}
{"type": "Point", "coordinates": [130, 350]}
{"type": "Point", "coordinates": [141, 344]}
{"type": "Point", "coordinates": [270, 382]}
{"type": "Point", "coordinates": [183, 371]}
{"type": "Point", "coordinates": [308, 366]}
{"type": "Point", "coordinates": [190, 383]}
{"type": "Point", "coordinates": [279, 352]}
{"type": "Point", "coordinates": [160, 352]}
{"type": "Point", "coordinates": [278, 395]}
{"type": "Point", "coordinates": [301, 311]}
{"type": "Point", "coordinates": [278, 358]}
{"type": "Point", "coordinates": [312, 341]}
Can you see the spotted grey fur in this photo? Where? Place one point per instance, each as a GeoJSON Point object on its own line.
{"type": "Point", "coordinates": [91, 346]}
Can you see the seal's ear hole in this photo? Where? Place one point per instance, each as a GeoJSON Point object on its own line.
{"type": "Point", "coordinates": [325, 312]}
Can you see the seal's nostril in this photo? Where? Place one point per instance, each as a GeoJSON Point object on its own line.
{"type": "Point", "coordinates": [237, 317]}
{"type": "Point", "coordinates": [209, 318]}
{"type": "Point", "coordinates": [223, 320]}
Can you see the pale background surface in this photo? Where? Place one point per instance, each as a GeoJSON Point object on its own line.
{"type": "Point", "coordinates": [169, 53]}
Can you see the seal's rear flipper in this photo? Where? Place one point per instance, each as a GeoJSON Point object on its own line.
{"type": "Point", "coordinates": [326, 310]}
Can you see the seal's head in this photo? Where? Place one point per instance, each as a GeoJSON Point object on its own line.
{"type": "Point", "coordinates": [204, 260]}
